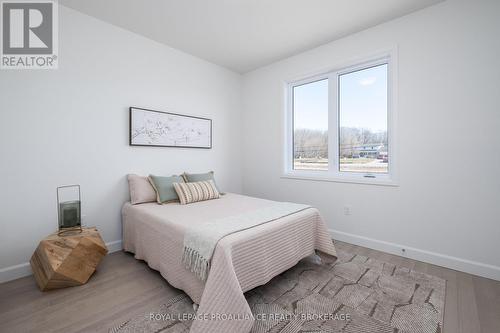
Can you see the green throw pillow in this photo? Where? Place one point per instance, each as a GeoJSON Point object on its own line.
{"type": "Point", "coordinates": [200, 177]}
{"type": "Point", "coordinates": [164, 187]}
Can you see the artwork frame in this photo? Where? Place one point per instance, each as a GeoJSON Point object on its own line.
{"type": "Point", "coordinates": [200, 127]}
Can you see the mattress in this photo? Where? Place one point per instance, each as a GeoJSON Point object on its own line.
{"type": "Point", "coordinates": [241, 261]}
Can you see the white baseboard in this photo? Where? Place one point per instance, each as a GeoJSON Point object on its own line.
{"type": "Point", "coordinates": [463, 265]}
{"type": "Point", "coordinates": [18, 271]}
{"type": "Point", "coordinates": [114, 246]}
{"type": "Point", "coordinates": [15, 272]}
{"type": "Point", "coordinates": [459, 264]}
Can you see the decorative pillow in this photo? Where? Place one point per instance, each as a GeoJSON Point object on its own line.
{"type": "Point", "coordinates": [164, 188]}
{"type": "Point", "coordinates": [197, 191]}
{"type": "Point", "coordinates": [140, 189]}
{"type": "Point", "coordinates": [199, 177]}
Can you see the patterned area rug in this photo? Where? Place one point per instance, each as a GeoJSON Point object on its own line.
{"type": "Point", "coordinates": [356, 294]}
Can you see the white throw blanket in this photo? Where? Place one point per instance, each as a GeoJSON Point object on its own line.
{"type": "Point", "coordinates": [200, 242]}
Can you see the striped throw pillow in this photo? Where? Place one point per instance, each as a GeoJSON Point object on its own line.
{"type": "Point", "coordinates": [196, 191]}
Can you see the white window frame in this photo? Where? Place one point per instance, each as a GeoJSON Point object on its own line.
{"type": "Point", "coordinates": [334, 173]}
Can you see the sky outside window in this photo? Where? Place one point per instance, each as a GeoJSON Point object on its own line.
{"type": "Point", "coordinates": [363, 121]}
{"type": "Point", "coordinates": [310, 119]}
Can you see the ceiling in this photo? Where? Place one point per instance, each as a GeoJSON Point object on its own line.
{"type": "Point", "coordinates": [243, 35]}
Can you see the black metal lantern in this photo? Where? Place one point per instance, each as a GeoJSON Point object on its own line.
{"type": "Point", "coordinates": [69, 208]}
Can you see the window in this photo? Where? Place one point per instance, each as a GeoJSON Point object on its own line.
{"type": "Point", "coordinates": [310, 126]}
{"type": "Point", "coordinates": [363, 120]}
{"type": "Point", "coordinates": [339, 125]}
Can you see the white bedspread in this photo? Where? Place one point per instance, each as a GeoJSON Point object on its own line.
{"type": "Point", "coordinates": [241, 261]}
{"type": "Point", "coordinates": [200, 241]}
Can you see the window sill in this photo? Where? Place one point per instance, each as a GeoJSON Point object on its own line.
{"type": "Point", "coordinates": [352, 180]}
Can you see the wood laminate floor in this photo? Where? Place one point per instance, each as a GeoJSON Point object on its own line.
{"type": "Point", "coordinates": [124, 287]}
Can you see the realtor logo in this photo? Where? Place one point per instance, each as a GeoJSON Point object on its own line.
{"type": "Point", "coordinates": [29, 34]}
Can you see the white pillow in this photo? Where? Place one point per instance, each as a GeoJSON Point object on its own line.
{"type": "Point", "coordinates": [140, 189]}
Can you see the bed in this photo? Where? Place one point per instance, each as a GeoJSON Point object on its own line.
{"type": "Point", "coordinates": [241, 261]}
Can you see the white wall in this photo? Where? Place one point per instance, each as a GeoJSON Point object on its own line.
{"type": "Point", "coordinates": [71, 126]}
{"type": "Point", "coordinates": [447, 207]}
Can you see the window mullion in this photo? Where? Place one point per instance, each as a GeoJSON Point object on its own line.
{"type": "Point", "coordinates": [289, 130]}
{"type": "Point", "coordinates": [332, 124]}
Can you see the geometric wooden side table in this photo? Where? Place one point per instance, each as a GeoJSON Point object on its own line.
{"type": "Point", "coordinates": [67, 260]}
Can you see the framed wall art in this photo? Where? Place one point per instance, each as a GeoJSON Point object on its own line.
{"type": "Point", "coordinates": [165, 129]}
